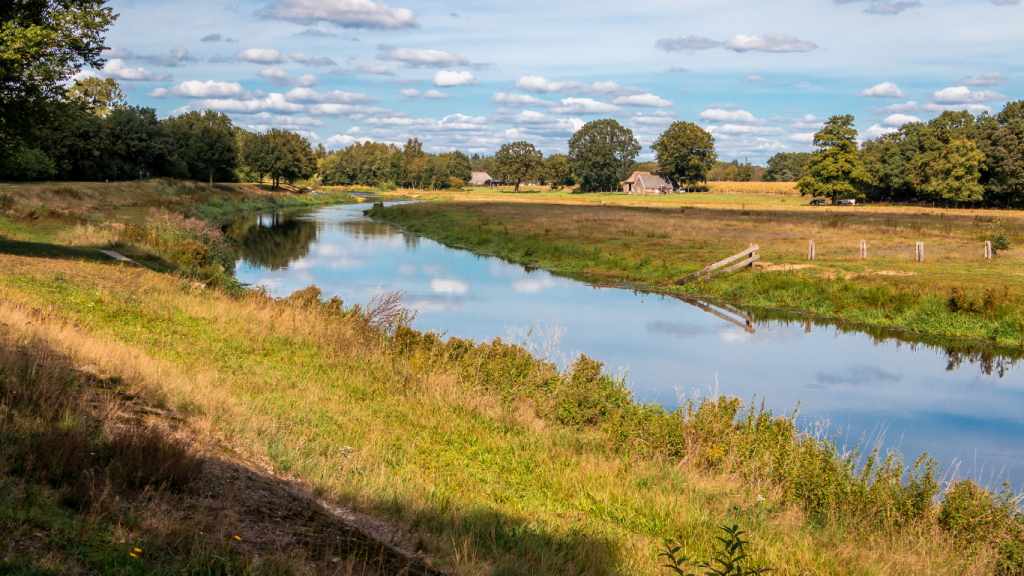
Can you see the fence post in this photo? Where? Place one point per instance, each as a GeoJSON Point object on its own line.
{"type": "Point", "coordinates": [810, 250]}
{"type": "Point", "coordinates": [919, 256]}
{"type": "Point", "coordinates": [863, 249]}
{"type": "Point", "coordinates": [751, 254]}
{"type": "Point", "coordinates": [988, 249]}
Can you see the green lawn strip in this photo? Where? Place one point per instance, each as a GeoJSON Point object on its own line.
{"type": "Point", "coordinates": [873, 302]}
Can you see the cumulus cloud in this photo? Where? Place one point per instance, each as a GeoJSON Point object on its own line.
{"type": "Point", "coordinates": [410, 93]}
{"type": "Point", "coordinates": [301, 58]}
{"type": "Point", "coordinates": [208, 89]}
{"type": "Point", "coordinates": [279, 77]}
{"type": "Point", "coordinates": [729, 116]}
{"type": "Point", "coordinates": [964, 95]}
{"type": "Point", "coordinates": [437, 95]}
{"type": "Point", "coordinates": [446, 78]}
{"type": "Point", "coordinates": [768, 43]}
{"type": "Point", "coordinates": [647, 100]}
{"type": "Point", "coordinates": [885, 7]}
{"type": "Point", "coordinates": [381, 69]}
{"type": "Point", "coordinates": [308, 96]}
{"type": "Point", "coordinates": [161, 93]}
{"type": "Point", "coordinates": [583, 106]}
{"type": "Point", "coordinates": [416, 58]}
{"type": "Point", "coordinates": [691, 42]}
{"type": "Point", "coordinates": [876, 131]}
{"type": "Point", "coordinates": [344, 13]}
{"type": "Point", "coordinates": [115, 52]}
{"type": "Point", "coordinates": [116, 68]}
{"type": "Point", "coordinates": [264, 120]}
{"type": "Point", "coordinates": [519, 101]}
{"type": "Point", "coordinates": [343, 140]}
{"type": "Point", "coordinates": [913, 107]}
{"type": "Point", "coordinates": [899, 120]}
{"type": "Point", "coordinates": [260, 56]}
{"type": "Point", "coordinates": [804, 138]}
{"type": "Point", "coordinates": [754, 79]}
{"type": "Point", "coordinates": [298, 100]}
{"type": "Point", "coordinates": [990, 79]}
{"type": "Point", "coordinates": [883, 90]}
{"type": "Point", "coordinates": [541, 85]}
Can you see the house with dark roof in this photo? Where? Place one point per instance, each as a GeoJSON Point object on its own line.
{"type": "Point", "coordinates": [647, 183]}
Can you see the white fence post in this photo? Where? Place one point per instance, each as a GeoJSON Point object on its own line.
{"type": "Point", "coordinates": [863, 250]}
{"type": "Point", "coordinates": [988, 249]}
{"type": "Point", "coordinates": [810, 250]}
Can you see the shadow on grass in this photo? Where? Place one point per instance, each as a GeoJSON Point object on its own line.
{"type": "Point", "coordinates": [55, 251]}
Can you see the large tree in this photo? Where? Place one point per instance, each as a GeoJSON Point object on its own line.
{"type": "Point", "coordinates": [518, 161]}
{"type": "Point", "coordinates": [835, 168]}
{"type": "Point", "coordinates": [43, 43]}
{"type": "Point", "coordinates": [685, 152]}
{"type": "Point", "coordinates": [601, 154]}
{"type": "Point", "coordinates": [954, 176]}
{"type": "Point", "coordinates": [206, 143]}
{"type": "Point", "coordinates": [786, 166]}
{"type": "Point", "coordinates": [558, 171]}
{"type": "Point", "coordinates": [101, 96]}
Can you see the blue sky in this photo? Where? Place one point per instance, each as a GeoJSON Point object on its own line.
{"type": "Point", "coordinates": [761, 76]}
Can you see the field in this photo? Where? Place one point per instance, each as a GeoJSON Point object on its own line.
{"type": "Point", "coordinates": [154, 423]}
{"type": "Point", "coordinates": [651, 240]}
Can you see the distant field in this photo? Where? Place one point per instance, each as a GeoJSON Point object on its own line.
{"type": "Point", "coordinates": [754, 187]}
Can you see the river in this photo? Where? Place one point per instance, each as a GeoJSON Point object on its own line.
{"type": "Point", "coordinates": [962, 405]}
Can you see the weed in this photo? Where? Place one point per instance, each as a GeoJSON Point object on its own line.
{"type": "Point", "coordinates": [6, 202]}
{"type": "Point", "coordinates": [730, 560]}
{"type": "Point", "coordinates": [835, 220]}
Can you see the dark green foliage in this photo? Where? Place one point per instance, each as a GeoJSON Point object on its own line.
{"type": "Point", "coordinates": [557, 171]}
{"type": "Point", "coordinates": [601, 154]}
{"type": "Point", "coordinates": [373, 164]}
{"type": "Point", "coordinates": [205, 143]}
{"type": "Point", "coordinates": [518, 161]}
{"type": "Point", "coordinates": [835, 169]}
{"type": "Point", "coordinates": [786, 166]}
{"type": "Point", "coordinates": [685, 152]}
{"type": "Point", "coordinates": [730, 560]}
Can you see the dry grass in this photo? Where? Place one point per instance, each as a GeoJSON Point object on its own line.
{"type": "Point", "coordinates": [443, 461]}
{"type": "Point", "coordinates": [788, 188]}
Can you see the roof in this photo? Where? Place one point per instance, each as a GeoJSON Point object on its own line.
{"type": "Point", "coordinates": [633, 177]}
{"type": "Point", "coordinates": [479, 177]}
{"type": "Point", "coordinates": [653, 182]}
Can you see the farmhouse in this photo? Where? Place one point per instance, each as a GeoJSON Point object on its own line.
{"type": "Point", "coordinates": [647, 183]}
{"type": "Point", "coordinates": [484, 179]}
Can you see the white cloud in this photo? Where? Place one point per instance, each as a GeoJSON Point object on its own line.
{"type": "Point", "coordinates": [990, 79]}
{"type": "Point", "coordinates": [422, 58]}
{"type": "Point", "coordinates": [584, 106]}
{"type": "Point", "coordinates": [445, 78]}
{"type": "Point", "coordinates": [646, 100]}
{"type": "Point", "coordinates": [883, 90]}
{"type": "Point", "coordinates": [437, 95]}
{"type": "Point", "coordinates": [730, 116]}
{"type": "Point", "coordinates": [410, 93]}
{"type": "Point", "coordinates": [279, 77]}
{"type": "Point", "coordinates": [264, 120]}
{"type": "Point", "coordinates": [115, 52]}
{"type": "Point", "coordinates": [341, 141]}
{"type": "Point", "coordinates": [519, 101]}
{"type": "Point", "coordinates": [301, 58]}
{"type": "Point", "coordinates": [448, 286]}
{"type": "Point", "coordinates": [116, 68]}
{"type": "Point", "coordinates": [744, 129]}
{"type": "Point", "coordinates": [298, 101]}
{"type": "Point", "coordinates": [913, 107]}
{"type": "Point", "coordinates": [876, 131]}
{"type": "Point", "coordinates": [805, 137]}
{"type": "Point", "coordinates": [85, 74]}
{"type": "Point", "coordinates": [380, 69]}
{"type": "Point", "coordinates": [886, 7]}
{"type": "Point", "coordinates": [690, 42]}
{"type": "Point", "coordinates": [541, 85]}
{"type": "Point", "coordinates": [754, 79]}
{"type": "Point", "coordinates": [898, 120]}
{"type": "Point", "coordinates": [768, 43]}
{"type": "Point", "coordinates": [208, 89]}
{"type": "Point", "coordinates": [304, 95]}
{"type": "Point", "coordinates": [964, 95]}
{"type": "Point", "coordinates": [260, 56]}
{"type": "Point", "coordinates": [344, 13]}
{"type": "Point", "coordinates": [161, 93]}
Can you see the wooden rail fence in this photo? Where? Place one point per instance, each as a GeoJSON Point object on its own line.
{"type": "Point", "coordinates": [709, 272]}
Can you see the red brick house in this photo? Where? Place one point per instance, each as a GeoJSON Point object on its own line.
{"type": "Point", "coordinates": [647, 183]}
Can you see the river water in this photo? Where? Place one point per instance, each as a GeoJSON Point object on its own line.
{"type": "Point", "coordinates": [963, 406]}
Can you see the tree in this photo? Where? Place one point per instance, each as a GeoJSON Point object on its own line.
{"type": "Point", "coordinates": [685, 152]}
{"type": "Point", "coordinates": [834, 169]}
{"type": "Point", "coordinates": [206, 143]}
{"type": "Point", "coordinates": [518, 161]}
{"type": "Point", "coordinates": [42, 45]}
{"type": "Point", "coordinates": [786, 166]}
{"type": "Point", "coordinates": [102, 96]}
{"type": "Point", "coordinates": [559, 173]}
{"type": "Point", "coordinates": [601, 154]}
{"type": "Point", "coordinates": [954, 177]}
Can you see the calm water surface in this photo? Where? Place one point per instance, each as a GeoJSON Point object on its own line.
{"type": "Point", "coordinates": [919, 398]}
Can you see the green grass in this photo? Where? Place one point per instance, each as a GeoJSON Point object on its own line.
{"type": "Point", "coordinates": [610, 249]}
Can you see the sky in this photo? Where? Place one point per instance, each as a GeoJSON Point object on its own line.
{"type": "Point", "coordinates": [760, 76]}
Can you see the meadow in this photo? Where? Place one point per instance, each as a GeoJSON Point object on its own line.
{"type": "Point", "coordinates": [159, 423]}
{"type": "Point", "coordinates": [648, 241]}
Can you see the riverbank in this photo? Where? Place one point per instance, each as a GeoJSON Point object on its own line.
{"type": "Point", "coordinates": [650, 241]}
{"type": "Point", "coordinates": [478, 456]}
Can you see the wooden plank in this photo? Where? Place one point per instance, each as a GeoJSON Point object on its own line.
{"type": "Point", "coordinates": [707, 308]}
{"type": "Point", "coordinates": [715, 266]}
{"type": "Point", "coordinates": [732, 268]}
{"type": "Point", "coordinates": [739, 313]}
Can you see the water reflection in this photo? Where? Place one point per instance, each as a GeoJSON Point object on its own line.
{"type": "Point", "coordinates": [954, 399]}
{"type": "Point", "coordinates": [275, 240]}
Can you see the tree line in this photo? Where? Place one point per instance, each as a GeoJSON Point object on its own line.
{"type": "Point", "coordinates": [957, 158]}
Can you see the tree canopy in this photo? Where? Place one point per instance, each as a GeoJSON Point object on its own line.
{"type": "Point", "coordinates": [786, 166]}
{"type": "Point", "coordinates": [685, 152]}
{"type": "Point", "coordinates": [518, 161]}
{"type": "Point", "coordinates": [835, 169]}
{"type": "Point", "coordinates": [601, 154]}
{"type": "Point", "coordinates": [206, 143]}
{"type": "Point", "coordinates": [102, 96]}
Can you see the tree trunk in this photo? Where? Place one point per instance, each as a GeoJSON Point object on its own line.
{"type": "Point", "coordinates": [211, 177]}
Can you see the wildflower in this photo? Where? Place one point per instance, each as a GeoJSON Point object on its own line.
{"type": "Point", "coordinates": [238, 538]}
{"type": "Point", "coordinates": [760, 498]}
{"type": "Point", "coordinates": [132, 554]}
{"type": "Point", "coordinates": [137, 550]}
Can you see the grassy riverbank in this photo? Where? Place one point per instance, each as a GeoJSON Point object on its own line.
{"type": "Point", "coordinates": [148, 421]}
{"type": "Point", "coordinates": [652, 240]}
